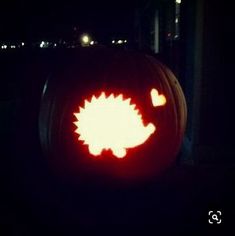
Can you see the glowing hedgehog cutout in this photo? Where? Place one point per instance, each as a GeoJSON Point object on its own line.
{"type": "Point", "coordinates": [111, 123]}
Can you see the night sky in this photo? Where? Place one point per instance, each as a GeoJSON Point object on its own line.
{"type": "Point", "coordinates": [30, 20]}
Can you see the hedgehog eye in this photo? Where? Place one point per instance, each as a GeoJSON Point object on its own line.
{"type": "Point", "coordinates": [157, 99]}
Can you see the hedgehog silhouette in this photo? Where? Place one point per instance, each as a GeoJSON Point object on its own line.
{"type": "Point", "coordinates": [111, 123]}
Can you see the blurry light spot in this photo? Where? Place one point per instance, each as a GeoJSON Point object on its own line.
{"type": "Point", "coordinates": [13, 46]}
{"type": "Point", "coordinates": [120, 41]}
{"type": "Point", "coordinates": [125, 41]}
{"type": "Point", "coordinates": [176, 20]}
{"type": "Point", "coordinates": [22, 44]}
{"type": "Point", "coordinates": [113, 41]}
{"type": "Point", "coordinates": [85, 39]}
{"type": "Point", "coordinates": [178, 1]}
{"type": "Point", "coordinates": [92, 43]}
{"type": "Point", "coordinates": [42, 44]}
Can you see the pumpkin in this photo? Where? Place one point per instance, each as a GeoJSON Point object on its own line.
{"type": "Point", "coordinates": [111, 114]}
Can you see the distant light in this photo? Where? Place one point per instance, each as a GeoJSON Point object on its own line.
{"type": "Point", "coordinates": [22, 44]}
{"type": "Point", "coordinates": [55, 44]}
{"type": "Point", "coordinates": [113, 41]}
{"type": "Point", "coordinates": [125, 41]}
{"type": "Point", "coordinates": [4, 46]}
{"type": "Point", "coordinates": [178, 1]}
{"type": "Point", "coordinates": [176, 20]}
{"type": "Point", "coordinates": [119, 41]}
{"type": "Point", "coordinates": [13, 46]}
{"type": "Point", "coordinates": [86, 39]}
{"type": "Point", "coordinates": [42, 44]}
{"type": "Point", "coordinates": [92, 42]}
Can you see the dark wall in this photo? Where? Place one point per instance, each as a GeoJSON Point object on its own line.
{"type": "Point", "coordinates": [208, 80]}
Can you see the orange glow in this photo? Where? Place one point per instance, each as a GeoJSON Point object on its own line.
{"type": "Point", "coordinates": [157, 100]}
{"type": "Point", "coordinates": [111, 123]}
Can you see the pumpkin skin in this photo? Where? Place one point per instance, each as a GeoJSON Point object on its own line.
{"type": "Point", "coordinates": [89, 71]}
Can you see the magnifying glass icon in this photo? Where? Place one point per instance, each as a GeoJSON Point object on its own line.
{"type": "Point", "coordinates": [215, 217]}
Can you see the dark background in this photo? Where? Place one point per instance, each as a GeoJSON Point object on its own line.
{"type": "Point", "coordinates": [203, 177]}
{"type": "Point", "coordinates": [53, 19]}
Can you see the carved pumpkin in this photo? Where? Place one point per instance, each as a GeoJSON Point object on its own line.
{"type": "Point", "coordinates": [112, 114]}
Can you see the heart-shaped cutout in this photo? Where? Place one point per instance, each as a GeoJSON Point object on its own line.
{"type": "Point", "coordinates": [157, 100]}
